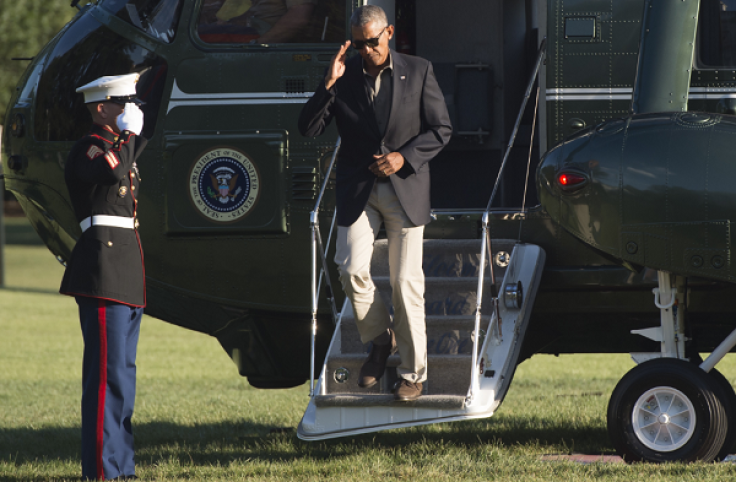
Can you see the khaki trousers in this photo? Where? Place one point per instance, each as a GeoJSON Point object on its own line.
{"type": "Point", "coordinates": [353, 257]}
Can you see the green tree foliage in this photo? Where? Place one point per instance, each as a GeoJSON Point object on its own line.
{"type": "Point", "coordinates": [25, 27]}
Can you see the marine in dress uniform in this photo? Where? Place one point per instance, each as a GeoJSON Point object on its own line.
{"type": "Point", "coordinates": [105, 272]}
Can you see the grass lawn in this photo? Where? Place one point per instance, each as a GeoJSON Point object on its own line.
{"type": "Point", "coordinates": [196, 419]}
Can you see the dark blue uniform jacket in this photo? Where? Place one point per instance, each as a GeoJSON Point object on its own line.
{"type": "Point", "coordinates": [102, 178]}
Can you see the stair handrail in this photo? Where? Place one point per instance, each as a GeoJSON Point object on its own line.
{"type": "Point", "coordinates": [485, 234]}
{"type": "Point", "coordinates": [316, 247]}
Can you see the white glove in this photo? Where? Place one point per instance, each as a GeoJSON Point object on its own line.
{"type": "Point", "coordinates": [131, 119]}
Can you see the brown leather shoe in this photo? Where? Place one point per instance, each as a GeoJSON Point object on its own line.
{"type": "Point", "coordinates": [374, 367]}
{"type": "Point", "coordinates": [406, 391]}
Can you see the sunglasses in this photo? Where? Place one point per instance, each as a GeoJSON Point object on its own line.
{"type": "Point", "coordinates": [371, 42]}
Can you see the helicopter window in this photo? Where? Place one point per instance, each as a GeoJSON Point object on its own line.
{"type": "Point", "coordinates": [31, 83]}
{"type": "Point", "coordinates": [271, 21]}
{"type": "Point", "coordinates": [158, 18]}
{"type": "Point", "coordinates": [86, 51]}
{"type": "Point", "coordinates": [717, 33]}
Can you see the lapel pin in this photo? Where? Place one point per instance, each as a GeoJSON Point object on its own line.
{"type": "Point", "coordinates": [403, 77]}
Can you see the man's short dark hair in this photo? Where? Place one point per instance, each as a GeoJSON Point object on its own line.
{"type": "Point", "coordinates": [369, 14]}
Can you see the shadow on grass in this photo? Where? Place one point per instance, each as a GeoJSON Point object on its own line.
{"type": "Point", "coordinates": [222, 443]}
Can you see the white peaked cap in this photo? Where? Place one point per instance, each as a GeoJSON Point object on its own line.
{"type": "Point", "coordinates": [110, 87]}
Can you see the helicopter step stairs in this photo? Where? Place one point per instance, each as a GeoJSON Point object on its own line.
{"type": "Point", "coordinates": [339, 407]}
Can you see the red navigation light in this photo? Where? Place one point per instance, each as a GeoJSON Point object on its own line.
{"type": "Point", "coordinates": [571, 181]}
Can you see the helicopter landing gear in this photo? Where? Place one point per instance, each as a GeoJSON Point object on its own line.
{"type": "Point", "coordinates": [667, 410]}
{"type": "Point", "coordinates": [671, 407]}
{"type": "Point", "coordinates": [669, 297]}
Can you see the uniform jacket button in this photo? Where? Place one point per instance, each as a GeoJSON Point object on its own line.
{"type": "Point", "coordinates": [109, 243]}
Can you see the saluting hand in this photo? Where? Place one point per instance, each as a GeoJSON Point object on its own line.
{"type": "Point", "coordinates": [386, 164]}
{"type": "Point", "coordinates": [131, 119]}
{"type": "Point", "coordinates": [337, 66]}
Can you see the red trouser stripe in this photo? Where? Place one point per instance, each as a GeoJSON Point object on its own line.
{"type": "Point", "coordinates": [102, 387]}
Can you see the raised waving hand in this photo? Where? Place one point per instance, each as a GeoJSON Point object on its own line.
{"type": "Point", "coordinates": [337, 66]}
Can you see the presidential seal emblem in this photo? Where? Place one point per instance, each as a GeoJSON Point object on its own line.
{"type": "Point", "coordinates": [224, 185]}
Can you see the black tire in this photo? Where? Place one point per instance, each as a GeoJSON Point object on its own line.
{"type": "Point", "coordinates": [728, 401]}
{"type": "Point", "coordinates": [636, 437]}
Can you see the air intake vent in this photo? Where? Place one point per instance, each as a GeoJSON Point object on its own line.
{"type": "Point", "coordinates": [294, 86]}
{"type": "Point", "coordinates": [304, 183]}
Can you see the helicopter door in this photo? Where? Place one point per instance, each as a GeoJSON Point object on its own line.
{"type": "Point", "coordinates": [236, 177]}
{"type": "Point", "coordinates": [231, 112]}
{"type": "Point", "coordinates": [481, 53]}
{"type": "Point", "coordinates": [233, 109]}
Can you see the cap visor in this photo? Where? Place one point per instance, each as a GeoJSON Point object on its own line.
{"type": "Point", "coordinates": [126, 100]}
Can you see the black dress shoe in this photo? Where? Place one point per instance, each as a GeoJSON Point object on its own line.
{"type": "Point", "coordinates": [374, 367]}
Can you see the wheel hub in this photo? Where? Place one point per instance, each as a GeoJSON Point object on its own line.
{"type": "Point", "coordinates": [663, 419]}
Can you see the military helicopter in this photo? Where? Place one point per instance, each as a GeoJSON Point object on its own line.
{"type": "Point", "coordinates": [628, 139]}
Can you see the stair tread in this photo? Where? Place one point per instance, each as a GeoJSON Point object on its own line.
{"type": "Point", "coordinates": [395, 357]}
{"type": "Point", "coordinates": [445, 257]}
{"type": "Point", "coordinates": [433, 242]}
{"type": "Point", "coordinates": [432, 319]}
{"type": "Point", "coordinates": [446, 402]}
{"type": "Point", "coordinates": [441, 279]}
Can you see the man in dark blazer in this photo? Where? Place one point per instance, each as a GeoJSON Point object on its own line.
{"type": "Point", "coordinates": [393, 120]}
{"type": "Point", "coordinates": [105, 272]}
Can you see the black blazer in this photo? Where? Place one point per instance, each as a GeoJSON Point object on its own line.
{"type": "Point", "coordinates": [418, 128]}
{"type": "Point", "coordinates": [107, 262]}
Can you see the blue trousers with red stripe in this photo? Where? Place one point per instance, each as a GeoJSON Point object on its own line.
{"type": "Point", "coordinates": [110, 332]}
